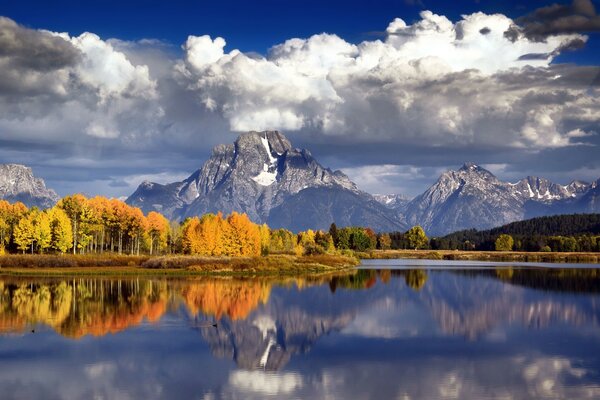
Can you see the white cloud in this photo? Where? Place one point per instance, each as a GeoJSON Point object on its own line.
{"type": "Point", "coordinates": [434, 80]}
{"type": "Point", "coordinates": [429, 86]}
{"type": "Point", "coordinates": [463, 46]}
{"type": "Point", "coordinates": [108, 70]}
{"type": "Point", "coordinates": [394, 178]}
{"type": "Point", "coordinates": [265, 383]}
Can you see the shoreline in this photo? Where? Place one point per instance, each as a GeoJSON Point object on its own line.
{"type": "Point", "coordinates": [270, 265]}
{"type": "Point", "coordinates": [474, 255]}
{"type": "Point", "coordinates": [174, 265]}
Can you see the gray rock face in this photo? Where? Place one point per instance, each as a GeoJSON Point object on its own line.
{"type": "Point", "coordinates": [255, 175]}
{"type": "Point", "coordinates": [397, 202]}
{"type": "Point", "coordinates": [473, 197]}
{"type": "Point", "coordinates": [17, 183]}
{"type": "Point", "coordinates": [316, 208]}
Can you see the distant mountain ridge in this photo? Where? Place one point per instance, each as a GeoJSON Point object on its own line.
{"type": "Point", "coordinates": [17, 183]}
{"type": "Point", "coordinates": [262, 175]}
{"type": "Point", "coordinates": [473, 197]}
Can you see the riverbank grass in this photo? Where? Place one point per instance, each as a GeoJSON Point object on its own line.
{"type": "Point", "coordinates": [175, 264]}
{"type": "Point", "coordinates": [514, 256]}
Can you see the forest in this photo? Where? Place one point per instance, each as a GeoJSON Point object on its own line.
{"type": "Point", "coordinates": [558, 233]}
{"type": "Point", "coordinates": [81, 225]}
{"type": "Point", "coordinates": [98, 225]}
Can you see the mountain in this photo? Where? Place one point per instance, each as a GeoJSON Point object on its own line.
{"type": "Point", "coordinates": [17, 183]}
{"type": "Point", "coordinates": [316, 208]}
{"type": "Point", "coordinates": [472, 197]}
{"type": "Point", "coordinates": [396, 202]}
{"type": "Point", "coordinates": [262, 175]}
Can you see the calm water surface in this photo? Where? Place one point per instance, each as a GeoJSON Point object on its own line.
{"type": "Point", "coordinates": [395, 329]}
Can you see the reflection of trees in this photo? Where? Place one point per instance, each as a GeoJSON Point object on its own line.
{"type": "Point", "coordinates": [579, 280]}
{"type": "Point", "coordinates": [102, 307]}
{"type": "Point", "coordinates": [367, 278]}
{"type": "Point", "coordinates": [81, 306]}
{"type": "Point", "coordinates": [236, 299]}
{"type": "Point", "coordinates": [504, 273]}
{"type": "Point", "coordinates": [416, 278]}
{"type": "Point", "coordinates": [362, 279]}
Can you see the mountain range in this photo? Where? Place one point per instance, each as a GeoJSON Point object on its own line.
{"type": "Point", "coordinates": [17, 183]}
{"type": "Point", "coordinates": [473, 197]}
{"type": "Point", "coordinates": [263, 175]}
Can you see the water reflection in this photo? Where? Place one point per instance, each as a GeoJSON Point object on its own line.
{"type": "Point", "coordinates": [493, 333]}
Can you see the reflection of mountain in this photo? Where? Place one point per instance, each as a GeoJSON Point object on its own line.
{"type": "Point", "coordinates": [392, 334]}
{"type": "Point", "coordinates": [262, 323]}
{"type": "Point", "coordinates": [474, 306]}
{"type": "Point", "coordinates": [268, 337]}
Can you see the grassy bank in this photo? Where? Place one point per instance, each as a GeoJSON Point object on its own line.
{"type": "Point", "coordinates": [173, 265]}
{"type": "Point", "coordinates": [515, 256]}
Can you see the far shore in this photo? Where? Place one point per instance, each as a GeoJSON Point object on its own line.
{"type": "Point", "coordinates": [474, 255]}
{"type": "Point", "coordinates": [114, 264]}
{"type": "Point", "coordinates": [275, 264]}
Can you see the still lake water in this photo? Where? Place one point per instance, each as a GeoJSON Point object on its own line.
{"type": "Point", "coordinates": [397, 329]}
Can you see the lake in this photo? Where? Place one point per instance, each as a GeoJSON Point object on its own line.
{"type": "Point", "coordinates": [395, 329]}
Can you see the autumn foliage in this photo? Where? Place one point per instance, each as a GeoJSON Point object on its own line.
{"type": "Point", "coordinates": [97, 225]}
{"type": "Point", "coordinates": [213, 235]}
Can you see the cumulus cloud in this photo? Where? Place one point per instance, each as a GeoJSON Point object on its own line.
{"type": "Point", "coordinates": [448, 83]}
{"type": "Point", "coordinates": [579, 16]}
{"type": "Point", "coordinates": [78, 85]}
{"type": "Point", "coordinates": [108, 70]}
{"type": "Point", "coordinates": [428, 86]}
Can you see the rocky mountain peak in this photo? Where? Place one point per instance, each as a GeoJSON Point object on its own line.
{"type": "Point", "coordinates": [469, 166]}
{"type": "Point", "coordinates": [17, 183]}
{"type": "Point", "coordinates": [473, 197]}
{"type": "Point", "coordinates": [260, 172]}
{"type": "Point", "coordinates": [276, 141]}
{"type": "Point", "coordinates": [577, 187]}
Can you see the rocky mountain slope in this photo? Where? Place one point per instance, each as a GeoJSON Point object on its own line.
{"type": "Point", "coordinates": [17, 183]}
{"type": "Point", "coordinates": [396, 202]}
{"type": "Point", "coordinates": [472, 197]}
{"type": "Point", "coordinates": [261, 172]}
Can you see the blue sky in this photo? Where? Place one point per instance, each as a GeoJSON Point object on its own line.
{"type": "Point", "coordinates": [99, 113]}
{"type": "Point", "coordinates": [253, 25]}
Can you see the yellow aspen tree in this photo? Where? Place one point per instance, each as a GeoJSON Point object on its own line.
{"type": "Point", "coordinates": [5, 211]}
{"type": "Point", "coordinates": [265, 238]}
{"type": "Point", "coordinates": [61, 230]}
{"type": "Point", "coordinates": [74, 205]}
{"type": "Point", "coordinates": [189, 235]}
{"type": "Point", "coordinates": [41, 223]}
{"type": "Point", "coordinates": [24, 234]}
{"type": "Point", "coordinates": [245, 235]}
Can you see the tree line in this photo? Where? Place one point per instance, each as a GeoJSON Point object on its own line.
{"type": "Point", "coordinates": [561, 233]}
{"type": "Point", "coordinates": [97, 225]}
{"type": "Point", "coordinates": [83, 225]}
